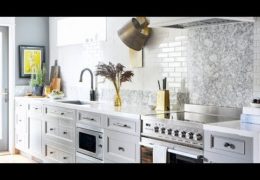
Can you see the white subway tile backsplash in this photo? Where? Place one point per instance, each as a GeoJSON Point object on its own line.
{"type": "Point", "coordinates": [174, 44]}
{"type": "Point", "coordinates": [174, 54]}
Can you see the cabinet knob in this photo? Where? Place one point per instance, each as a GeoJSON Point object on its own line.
{"type": "Point", "coordinates": [64, 132]}
{"type": "Point", "coordinates": [65, 158]}
{"type": "Point", "coordinates": [121, 149]}
{"type": "Point", "coordinates": [62, 113]}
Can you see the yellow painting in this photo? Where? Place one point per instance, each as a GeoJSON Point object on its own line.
{"type": "Point", "coordinates": [32, 60]}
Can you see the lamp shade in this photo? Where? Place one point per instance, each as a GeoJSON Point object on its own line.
{"type": "Point", "coordinates": [131, 34]}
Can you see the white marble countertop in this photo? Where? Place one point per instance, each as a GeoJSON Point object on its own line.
{"type": "Point", "coordinates": [130, 111]}
{"type": "Point", "coordinates": [234, 127]}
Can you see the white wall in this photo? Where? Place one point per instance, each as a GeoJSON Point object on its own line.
{"type": "Point", "coordinates": [161, 58]}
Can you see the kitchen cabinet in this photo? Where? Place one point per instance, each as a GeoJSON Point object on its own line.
{"type": "Point", "coordinates": [121, 139]}
{"type": "Point", "coordinates": [58, 134]}
{"type": "Point", "coordinates": [21, 129]}
{"type": "Point", "coordinates": [227, 148]}
{"type": "Point", "coordinates": [35, 139]}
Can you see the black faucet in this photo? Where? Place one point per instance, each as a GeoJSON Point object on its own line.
{"type": "Point", "coordinates": [92, 91]}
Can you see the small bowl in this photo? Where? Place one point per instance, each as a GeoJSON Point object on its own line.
{"type": "Point", "coordinates": [255, 105]}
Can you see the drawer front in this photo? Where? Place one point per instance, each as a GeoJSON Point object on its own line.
{"type": "Point", "coordinates": [121, 148]}
{"type": "Point", "coordinates": [51, 128]}
{"type": "Point", "coordinates": [131, 126]}
{"type": "Point", "coordinates": [65, 157]}
{"type": "Point", "coordinates": [60, 112]}
{"type": "Point", "coordinates": [21, 122]}
{"type": "Point", "coordinates": [20, 106]}
{"type": "Point", "coordinates": [35, 109]}
{"type": "Point", "coordinates": [230, 145]}
{"type": "Point", "coordinates": [89, 118]}
{"type": "Point", "coordinates": [20, 141]}
{"type": "Point", "coordinates": [52, 153]}
{"type": "Point", "coordinates": [66, 133]}
{"type": "Point", "coordinates": [212, 157]}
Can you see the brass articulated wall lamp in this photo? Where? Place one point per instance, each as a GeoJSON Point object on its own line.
{"type": "Point", "coordinates": [135, 33]}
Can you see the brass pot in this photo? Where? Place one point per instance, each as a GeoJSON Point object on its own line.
{"type": "Point", "coordinates": [134, 34]}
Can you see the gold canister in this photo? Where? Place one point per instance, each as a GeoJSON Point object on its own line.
{"type": "Point", "coordinates": [163, 100]}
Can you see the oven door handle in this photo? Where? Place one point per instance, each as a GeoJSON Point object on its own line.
{"type": "Point", "coordinates": [193, 156]}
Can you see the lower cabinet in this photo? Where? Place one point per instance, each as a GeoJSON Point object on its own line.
{"type": "Point", "coordinates": [227, 148]}
{"type": "Point", "coordinates": [57, 153]}
{"type": "Point", "coordinates": [121, 148]}
{"type": "Point", "coordinates": [35, 137]}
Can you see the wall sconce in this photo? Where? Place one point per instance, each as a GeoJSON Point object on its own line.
{"type": "Point", "coordinates": [135, 33]}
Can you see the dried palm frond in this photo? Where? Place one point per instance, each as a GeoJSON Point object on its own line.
{"type": "Point", "coordinates": [114, 73]}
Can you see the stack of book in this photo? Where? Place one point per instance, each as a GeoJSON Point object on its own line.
{"type": "Point", "coordinates": [250, 115]}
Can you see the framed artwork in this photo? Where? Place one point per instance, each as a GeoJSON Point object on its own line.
{"type": "Point", "coordinates": [30, 57]}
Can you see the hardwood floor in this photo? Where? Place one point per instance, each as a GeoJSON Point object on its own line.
{"type": "Point", "coordinates": [15, 159]}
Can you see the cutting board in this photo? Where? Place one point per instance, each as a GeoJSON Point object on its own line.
{"type": "Point", "coordinates": [55, 71]}
{"type": "Point", "coordinates": [55, 84]}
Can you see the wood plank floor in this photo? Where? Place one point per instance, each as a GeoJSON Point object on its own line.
{"type": "Point", "coordinates": [15, 159]}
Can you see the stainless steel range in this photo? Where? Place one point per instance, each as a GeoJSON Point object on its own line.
{"type": "Point", "coordinates": [181, 132]}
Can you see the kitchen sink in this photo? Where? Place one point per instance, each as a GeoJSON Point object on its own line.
{"type": "Point", "coordinates": [77, 102]}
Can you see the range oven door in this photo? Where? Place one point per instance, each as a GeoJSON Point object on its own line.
{"type": "Point", "coordinates": [175, 153]}
{"type": "Point", "coordinates": [89, 142]}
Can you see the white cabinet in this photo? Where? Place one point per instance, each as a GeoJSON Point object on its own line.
{"type": "Point", "coordinates": [227, 148]}
{"type": "Point", "coordinates": [58, 134]}
{"type": "Point", "coordinates": [121, 140]}
{"type": "Point", "coordinates": [120, 147]}
{"type": "Point", "coordinates": [21, 128]}
{"type": "Point", "coordinates": [35, 138]}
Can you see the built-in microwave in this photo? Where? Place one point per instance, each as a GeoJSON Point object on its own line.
{"type": "Point", "coordinates": [89, 141]}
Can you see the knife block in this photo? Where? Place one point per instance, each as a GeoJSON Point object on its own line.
{"type": "Point", "coordinates": [163, 100]}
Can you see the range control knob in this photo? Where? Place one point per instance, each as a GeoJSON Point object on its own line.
{"type": "Point", "coordinates": [183, 134]}
{"type": "Point", "coordinates": [169, 131]}
{"type": "Point", "coordinates": [191, 135]}
{"type": "Point", "coordinates": [199, 137]}
{"type": "Point", "coordinates": [156, 129]}
{"type": "Point", "coordinates": [176, 133]}
{"type": "Point", "coordinates": [163, 130]}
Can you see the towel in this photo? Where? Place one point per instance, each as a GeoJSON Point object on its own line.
{"type": "Point", "coordinates": [159, 154]}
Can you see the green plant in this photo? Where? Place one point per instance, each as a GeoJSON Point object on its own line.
{"type": "Point", "coordinates": [38, 77]}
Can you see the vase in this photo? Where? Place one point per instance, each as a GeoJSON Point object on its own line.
{"type": "Point", "coordinates": [37, 90]}
{"type": "Point", "coordinates": [117, 99]}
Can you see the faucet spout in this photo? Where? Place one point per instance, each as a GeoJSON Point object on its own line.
{"type": "Point", "coordinates": [92, 91]}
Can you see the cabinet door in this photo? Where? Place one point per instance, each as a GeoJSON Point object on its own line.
{"type": "Point", "coordinates": [35, 135]}
{"type": "Point", "coordinates": [121, 148]}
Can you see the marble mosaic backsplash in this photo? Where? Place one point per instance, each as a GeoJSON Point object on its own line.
{"type": "Point", "coordinates": [220, 64]}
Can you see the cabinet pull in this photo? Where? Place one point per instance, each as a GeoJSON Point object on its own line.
{"type": "Point", "coordinates": [62, 113]}
{"type": "Point", "coordinates": [65, 158]}
{"type": "Point", "coordinates": [89, 119]}
{"type": "Point", "coordinates": [20, 140]}
{"type": "Point", "coordinates": [121, 125]}
{"type": "Point", "coordinates": [36, 108]}
{"type": "Point", "coordinates": [64, 132]}
{"type": "Point", "coordinates": [20, 120]}
{"type": "Point", "coordinates": [51, 152]}
{"type": "Point", "coordinates": [51, 129]}
{"type": "Point", "coordinates": [232, 146]}
{"type": "Point", "coordinates": [121, 149]}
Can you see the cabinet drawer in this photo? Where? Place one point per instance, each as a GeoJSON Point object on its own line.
{"type": "Point", "coordinates": [125, 125]}
{"type": "Point", "coordinates": [89, 118]}
{"type": "Point", "coordinates": [51, 127]}
{"type": "Point", "coordinates": [121, 147]}
{"type": "Point", "coordinates": [59, 112]}
{"type": "Point", "coordinates": [21, 141]}
{"type": "Point", "coordinates": [20, 106]}
{"type": "Point", "coordinates": [35, 109]}
{"type": "Point", "coordinates": [66, 133]}
{"type": "Point", "coordinates": [52, 153]}
{"type": "Point", "coordinates": [65, 157]}
{"type": "Point", "coordinates": [229, 145]}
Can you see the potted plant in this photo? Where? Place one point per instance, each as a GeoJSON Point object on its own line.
{"type": "Point", "coordinates": [37, 80]}
{"type": "Point", "coordinates": [117, 75]}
